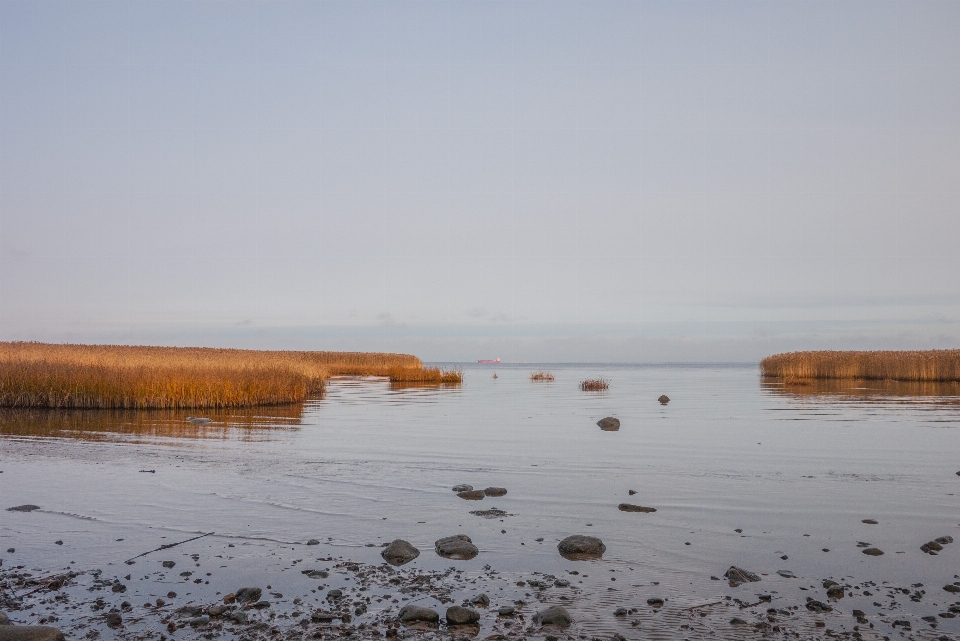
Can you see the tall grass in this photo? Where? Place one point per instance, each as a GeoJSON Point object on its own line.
{"type": "Point", "coordinates": [137, 377]}
{"type": "Point", "coordinates": [425, 375]}
{"type": "Point", "coordinates": [939, 365]}
{"type": "Point", "coordinates": [594, 385]}
{"type": "Point", "coordinates": [542, 376]}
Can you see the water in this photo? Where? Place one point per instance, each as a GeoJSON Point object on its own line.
{"type": "Point", "coordinates": [796, 469]}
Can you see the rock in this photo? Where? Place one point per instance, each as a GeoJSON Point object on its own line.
{"type": "Point", "coordinates": [579, 546]}
{"type": "Point", "coordinates": [655, 602]}
{"type": "Point", "coordinates": [835, 592]}
{"type": "Point", "coordinates": [561, 583]}
{"type": "Point", "coordinates": [248, 595]}
{"type": "Point", "coordinates": [506, 611]}
{"type": "Point", "coordinates": [415, 613]}
{"type": "Point", "coordinates": [953, 589]}
{"type": "Point", "coordinates": [459, 615]}
{"type": "Point", "coordinates": [944, 540]}
{"type": "Point", "coordinates": [229, 598]}
{"type": "Point", "coordinates": [458, 547]}
{"type": "Point", "coordinates": [554, 615]}
{"type": "Point", "coordinates": [217, 610]}
{"type": "Point", "coordinates": [609, 424]}
{"type": "Point", "coordinates": [4, 619]}
{"type": "Point", "coordinates": [114, 620]}
{"type": "Point", "coordinates": [58, 542]}
{"type": "Point", "coordinates": [481, 600]}
{"type": "Point", "coordinates": [322, 616]}
{"type": "Point", "coordinates": [495, 491]}
{"type": "Point", "coordinates": [169, 564]}
{"type": "Point", "coordinates": [817, 606]}
{"type": "Point", "coordinates": [399, 552]}
{"type": "Point", "coordinates": [462, 488]}
{"type": "Point", "coordinates": [23, 508]}
{"type": "Point", "coordinates": [736, 576]}
{"type": "Point", "coordinates": [873, 552]}
{"type": "Point", "coordinates": [631, 492]}
{"type": "Point", "coordinates": [317, 574]}
{"type": "Point", "coordinates": [30, 633]}
{"type": "Point", "coordinates": [333, 595]}
{"type": "Point", "coordinates": [199, 621]}
{"type": "Point", "coordinates": [869, 521]}
{"type": "Point", "coordinates": [472, 495]}
{"type": "Point", "coordinates": [664, 399]}
{"type": "Point", "coordinates": [931, 547]}
{"type": "Point", "coordinates": [620, 612]}
{"type": "Point", "coordinates": [313, 542]}
{"type": "Point", "coordinates": [493, 513]}
{"type": "Point", "coordinates": [628, 507]}
{"type": "Point", "coordinates": [737, 621]}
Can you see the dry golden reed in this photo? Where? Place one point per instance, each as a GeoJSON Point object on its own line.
{"type": "Point", "coordinates": [938, 365]}
{"type": "Point", "coordinates": [594, 385]}
{"type": "Point", "coordinates": [429, 375]}
{"type": "Point", "coordinates": [542, 376]}
{"type": "Point", "coordinates": [137, 377]}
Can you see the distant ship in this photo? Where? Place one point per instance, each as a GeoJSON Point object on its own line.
{"type": "Point", "coordinates": [488, 361]}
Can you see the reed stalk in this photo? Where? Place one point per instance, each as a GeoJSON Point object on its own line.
{"type": "Point", "coordinates": [594, 385]}
{"type": "Point", "coordinates": [542, 376]}
{"type": "Point", "coordinates": [939, 365]}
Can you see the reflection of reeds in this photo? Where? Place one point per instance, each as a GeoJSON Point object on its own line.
{"type": "Point", "coordinates": [922, 366]}
{"type": "Point", "coordinates": [430, 375]}
{"type": "Point", "coordinates": [594, 385]}
{"type": "Point", "coordinates": [542, 376]}
{"type": "Point", "coordinates": [128, 377]}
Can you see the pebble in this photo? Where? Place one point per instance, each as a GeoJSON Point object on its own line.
{"type": "Point", "coordinates": [495, 491]}
{"type": "Point", "coordinates": [506, 611]}
{"type": "Point", "coordinates": [313, 542]}
{"type": "Point", "coordinates": [169, 564]}
{"type": "Point", "coordinates": [472, 495]}
{"type": "Point", "coordinates": [873, 552]}
{"type": "Point", "coordinates": [481, 599]}
{"type": "Point", "coordinates": [414, 613]}
{"type": "Point", "coordinates": [462, 488]}
{"type": "Point", "coordinates": [736, 576]}
{"type": "Point", "coordinates": [248, 595]}
{"type": "Point", "coordinates": [655, 602]}
{"type": "Point", "coordinates": [554, 615]}
{"type": "Point", "coordinates": [664, 399]}
{"type": "Point", "coordinates": [459, 615]}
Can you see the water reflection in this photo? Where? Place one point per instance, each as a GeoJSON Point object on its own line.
{"type": "Point", "coordinates": [252, 423]}
{"type": "Point", "coordinates": [862, 390]}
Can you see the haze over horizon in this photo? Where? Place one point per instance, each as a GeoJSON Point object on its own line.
{"type": "Point", "coordinates": [537, 181]}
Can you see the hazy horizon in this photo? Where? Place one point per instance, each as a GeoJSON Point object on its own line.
{"type": "Point", "coordinates": [636, 181]}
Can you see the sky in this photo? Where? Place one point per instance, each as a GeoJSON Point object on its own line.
{"type": "Point", "coordinates": [619, 181]}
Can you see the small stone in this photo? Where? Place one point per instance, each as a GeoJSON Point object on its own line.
{"type": "Point", "coordinates": [873, 552]}
{"type": "Point", "coordinates": [30, 633]}
{"type": "Point", "coordinates": [554, 615]}
{"type": "Point", "coordinates": [4, 619]}
{"type": "Point", "coordinates": [472, 495]}
{"type": "Point", "coordinates": [459, 615]}
{"type": "Point", "coordinates": [664, 399]}
{"type": "Point", "coordinates": [561, 583]}
{"type": "Point", "coordinates": [870, 521]}
{"type": "Point", "coordinates": [506, 611]}
{"type": "Point", "coordinates": [631, 492]}
{"type": "Point", "coordinates": [737, 621]}
{"type": "Point", "coordinates": [313, 542]}
{"type": "Point", "coordinates": [217, 610]}
{"type": "Point", "coordinates": [114, 620]}
{"type": "Point", "coordinates": [944, 540]}
{"type": "Point", "coordinates": [953, 589]}
{"type": "Point", "coordinates": [579, 546]}
{"type": "Point", "coordinates": [333, 595]}
{"type": "Point", "coordinates": [458, 547]}
{"type": "Point", "coordinates": [399, 552]}
{"type": "Point", "coordinates": [58, 542]}
{"type": "Point", "coordinates": [835, 592]}
{"type": "Point", "coordinates": [620, 612]}
{"type": "Point", "coordinates": [609, 424]}
{"type": "Point", "coordinates": [736, 576]}
{"type": "Point", "coordinates": [627, 507]}
{"type": "Point", "coordinates": [415, 613]}
{"type": "Point", "coordinates": [248, 595]}
{"type": "Point", "coordinates": [322, 616]}
{"type": "Point", "coordinates": [655, 602]}
{"type": "Point", "coordinates": [238, 617]}
{"type": "Point", "coordinates": [931, 547]}
{"type": "Point", "coordinates": [462, 488]}
{"type": "Point", "coordinates": [10, 550]}
{"type": "Point", "coordinates": [173, 595]}
{"type": "Point", "coordinates": [169, 564]}
{"type": "Point", "coordinates": [817, 606]}
{"type": "Point", "coordinates": [196, 622]}
{"type": "Point", "coordinates": [481, 600]}
{"type": "Point", "coordinates": [495, 491]}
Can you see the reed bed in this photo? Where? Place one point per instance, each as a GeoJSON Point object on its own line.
{"type": "Point", "coordinates": [542, 376]}
{"type": "Point", "coordinates": [594, 385]}
{"type": "Point", "coordinates": [429, 375]}
{"type": "Point", "coordinates": [138, 377]}
{"type": "Point", "coordinates": [939, 365]}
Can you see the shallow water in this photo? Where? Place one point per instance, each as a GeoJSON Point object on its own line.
{"type": "Point", "coordinates": [796, 469]}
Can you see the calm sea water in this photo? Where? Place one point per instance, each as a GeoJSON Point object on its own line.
{"type": "Point", "coordinates": [796, 470]}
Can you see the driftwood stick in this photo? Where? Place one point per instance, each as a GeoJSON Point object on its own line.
{"type": "Point", "coordinates": [166, 547]}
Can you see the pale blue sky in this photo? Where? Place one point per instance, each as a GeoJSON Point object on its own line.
{"type": "Point", "coordinates": [531, 180]}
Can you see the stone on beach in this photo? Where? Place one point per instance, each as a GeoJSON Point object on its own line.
{"type": "Point", "coordinates": [462, 488]}
{"type": "Point", "coordinates": [457, 547]}
{"type": "Point", "coordinates": [628, 507]}
{"type": "Point", "coordinates": [609, 424]}
{"type": "Point", "coordinates": [736, 576]}
{"type": "Point", "coordinates": [580, 546]}
{"type": "Point", "coordinates": [247, 595]}
{"type": "Point", "coordinates": [29, 633]}
{"type": "Point", "coordinates": [459, 615]}
{"type": "Point", "coordinates": [664, 399]}
{"type": "Point", "coordinates": [495, 491]}
{"type": "Point", "coordinates": [416, 613]}
{"type": "Point", "coordinates": [399, 552]}
{"type": "Point", "coordinates": [873, 552]}
{"type": "Point", "coordinates": [554, 615]}
{"type": "Point", "coordinates": [472, 495]}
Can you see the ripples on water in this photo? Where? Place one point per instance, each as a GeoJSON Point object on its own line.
{"type": "Point", "coordinates": [796, 468]}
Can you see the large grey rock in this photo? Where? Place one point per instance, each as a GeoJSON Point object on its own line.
{"type": "Point", "coordinates": [29, 633]}
{"type": "Point", "coordinates": [458, 547]}
{"type": "Point", "coordinates": [399, 552]}
{"type": "Point", "coordinates": [554, 615]}
{"type": "Point", "coordinates": [414, 613]}
{"type": "Point", "coordinates": [609, 424]}
{"type": "Point", "coordinates": [459, 615]}
{"type": "Point", "coordinates": [580, 546]}
{"type": "Point", "coordinates": [736, 576]}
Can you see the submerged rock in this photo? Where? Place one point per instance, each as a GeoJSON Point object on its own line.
{"type": "Point", "coordinates": [931, 547]}
{"type": "Point", "coordinates": [457, 547]}
{"type": "Point", "coordinates": [313, 542]}
{"type": "Point", "coordinates": [736, 576]}
{"type": "Point", "coordinates": [481, 600]}
{"type": "Point", "coordinates": [416, 613]}
{"type": "Point", "coordinates": [399, 552]}
{"type": "Point", "coordinates": [30, 633]}
{"type": "Point", "coordinates": [787, 574]}
{"type": "Point", "coordinates": [463, 487]}
{"type": "Point", "coordinates": [247, 595]}
{"type": "Point", "coordinates": [495, 491]}
{"type": "Point", "coordinates": [24, 508]}
{"type": "Point", "coordinates": [873, 552]}
{"type": "Point", "coordinates": [554, 615]}
{"type": "Point", "coordinates": [664, 399]}
{"type": "Point", "coordinates": [506, 611]}
{"type": "Point", "coordinates": [628, 507]}
{"type": "Point", "coordinates": [493, 513]}
{"type": "Point", "coordinates": [609, 424]}
{"type": "Point", "coordinates": [459, 615]}
{"type": "Point", "coordinates": [869, 521]}
{"type": "Point", "coordinates": [579, 546]}
{"type": "Point", "coordinates": [472, 495]}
